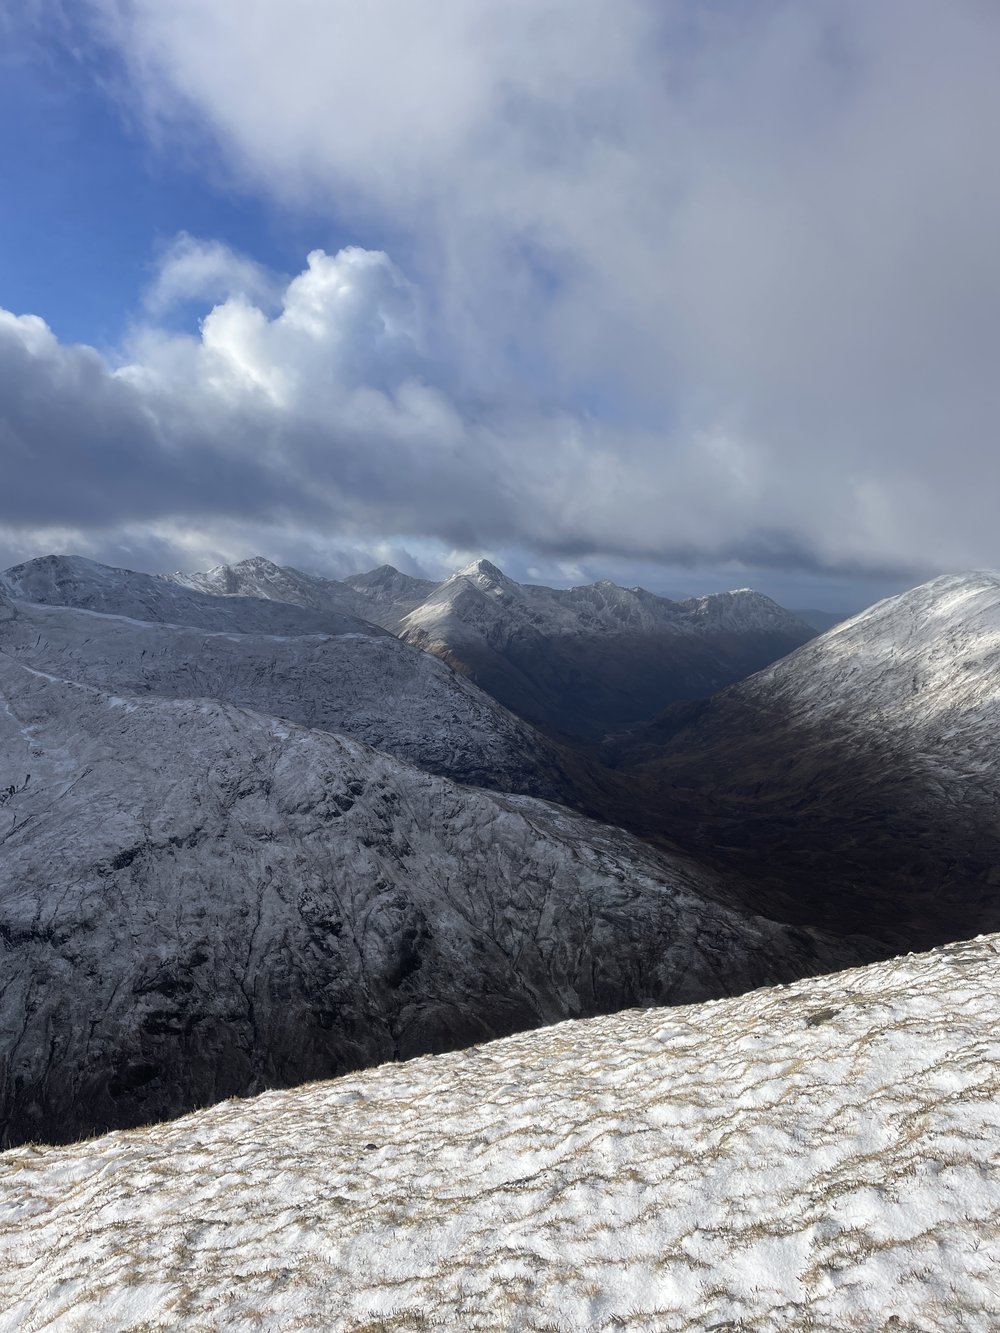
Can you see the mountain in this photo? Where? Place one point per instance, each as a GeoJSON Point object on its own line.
{"type": "Point", "coordinates": [383, 596]}
{"type": "Point", "coordinates": [820, 1156]}
{"type": "Point", "coordinates": [585, 661]}
{"type": "Point", "coordinates": [857, 779]}
{"type": "Point", "coordinates": [389, 595]}
{"type": "Point", "coordinates": [63, 580]}
{"type": "Point", "coordinates": [199, 901]}
{"type": "Point", "coordinates": [369, 686]}
{"type": "Point", "coordinates": [579, 661]}
{"type": "Point", "coordinates": [258, 577]}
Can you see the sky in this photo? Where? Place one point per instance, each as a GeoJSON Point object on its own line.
{"type": "Point", "coordinates": [690, 293]}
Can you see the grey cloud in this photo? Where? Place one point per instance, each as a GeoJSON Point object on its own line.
{"type": "Point", "coordinates": [687, 283]}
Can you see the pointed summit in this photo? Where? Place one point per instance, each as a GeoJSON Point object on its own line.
{"type": "Point", "coordinates": [484, 571]}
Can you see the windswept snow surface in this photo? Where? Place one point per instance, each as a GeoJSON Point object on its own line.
{"type": "Point", "coordinates": [822, 1156]}
{"type": "Point", "coordinates": [198, 901]}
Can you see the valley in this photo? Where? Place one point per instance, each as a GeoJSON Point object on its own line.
{"type": "Point", "coordinates": [253, 839]}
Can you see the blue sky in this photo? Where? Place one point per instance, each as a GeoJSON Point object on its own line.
{"type": "Point", "coordinates": [88, 201]}
{"type": "Point", "coordinates": [690, 295]}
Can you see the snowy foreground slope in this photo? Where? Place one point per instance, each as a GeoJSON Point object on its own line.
{"type": "Point", "coordinates": [822, 1156]}
{"type": "Point", "coordinates": [197, 901]}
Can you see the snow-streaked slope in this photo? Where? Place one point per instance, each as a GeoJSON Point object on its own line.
{"type": "Point", "coordinates": [586, 660]}
{"type": "Point", "coordinates": [197, 900]}
{"type": "Point", "coordinates": [371, 687]}
{"type": "Point", "coordinates": [824, 1156]}
{"type": "Point", "coordinates": [860, 775]}
{"type": "Point", "coordinates": [62, 580]}
{"type": "Point", "coordinates": [909, 662]}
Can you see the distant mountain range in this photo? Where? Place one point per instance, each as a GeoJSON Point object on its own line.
{"type": "Point", "coordinates": [586, 661]}
{"type": "Point", "coordinates": [578, 661]}
{"type": "Point", "coordinates": [248, 836]}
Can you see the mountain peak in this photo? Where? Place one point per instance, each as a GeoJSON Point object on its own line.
{"type": "Point", "coordinates": [257, 564]}
{"type": "Point", "coordinates": [484, 570]}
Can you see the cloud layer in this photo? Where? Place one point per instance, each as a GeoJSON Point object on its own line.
{"type": "Point", "coordinates": [675, 282]}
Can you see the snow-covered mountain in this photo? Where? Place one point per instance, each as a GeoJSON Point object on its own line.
{"type": "Point", "coordinates": [369, 686]}
{"type": "Point", "coordinates": [198, 901]}
{"type": "Point", "coordinates": [582, 661]}
{"type": "Point", "coordinates": [857, 779]}
{"type": "Point", "coordinates": [591, 659]}
{"type": "Point", "coordinates": [65, 580]}
{"type": "Point", "coordinates": [383, 596]}
{"type": "Point", "coordinates": [389, 595]}
{"type": "Point", "coordinates": [258, 577]}
{"type": "Point", "coordinates": [818, 1156]}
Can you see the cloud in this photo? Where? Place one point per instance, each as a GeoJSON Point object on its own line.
{"type": "Point", "coordinates": [190, 269]}
{"type": "Point", "coordinates": [687, 283]}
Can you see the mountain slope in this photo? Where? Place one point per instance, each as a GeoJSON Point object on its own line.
{"type": "Point", "coordinates": [588, 660]}
{"type": "Point", "coordinates": [371, 687]}
{"type": "Point", "coordinates": [857, 780]}
{"type": "Point", "coordinates": [820, 1156]}
{"type": "Point", "coordinates": [59, 580]}
{"type": "Point", "coordinates": [198, 901]}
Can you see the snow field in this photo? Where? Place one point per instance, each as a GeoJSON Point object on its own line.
{"type": "Point", "coordinates": [816, 1156]}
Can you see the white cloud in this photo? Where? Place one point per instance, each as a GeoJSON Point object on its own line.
{"type": "Point", "coordinates": [190, 269]}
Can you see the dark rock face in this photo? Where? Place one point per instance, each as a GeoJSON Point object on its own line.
{"type": "Point", "coordinates": [199, 902]}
